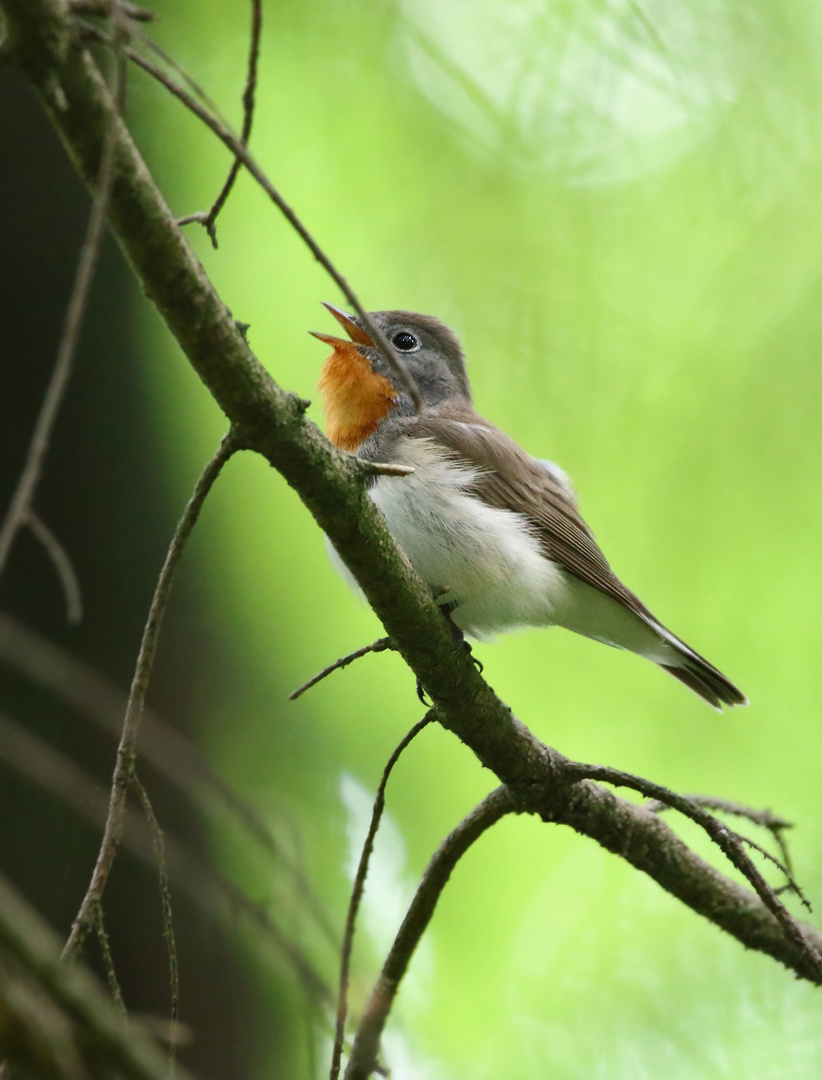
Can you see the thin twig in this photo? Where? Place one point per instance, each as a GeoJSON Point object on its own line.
{"type": "Point", "coordinates": [791, 884]}
{"type": "Point", "coordinates": [209, 891]}
{"type": "Point", "coordinates": [108, 960]}
{"type": "Point", "coordinates": [242, 155]}
{"type": "Point", "coordinates": [367, 1040]}
{"type": "Point", "coordinates": [166, 750]}
{"type": "Point", "coordinates": [726, 840]}
{"type": "Point", "coordinates": [198, 90]}
{"type": "Point", "coordinates": [21, 501]}
{"type": "Point", "coordinates": [765, 819]}
{"type": "Point", "coordinates": [209, 220]}
{"type": "Point", "coordinates": [127, 749]}
{"type": "Point", "coordinates": [158, 841]}
{"type": "Point", "coordinates": [62, 564]}
{"type": "Point", "coordinates": [357, 891]}
{"type": "Point", "coordinates": [380, 645]}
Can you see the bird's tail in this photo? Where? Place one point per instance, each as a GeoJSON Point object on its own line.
{"type": "Point", "coordinates": [703, 678]}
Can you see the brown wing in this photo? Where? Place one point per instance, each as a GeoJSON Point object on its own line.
{"type": "Point", "coordinates": [510, 479]}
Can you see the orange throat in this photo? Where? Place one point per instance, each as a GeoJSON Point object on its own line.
{"type": "Point", "coordinates": [355, 397]}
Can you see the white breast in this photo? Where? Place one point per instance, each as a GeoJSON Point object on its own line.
{"type": "Point", "coordinates": [489, 559]}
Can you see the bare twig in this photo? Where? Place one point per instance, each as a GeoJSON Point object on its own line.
{"type": "Point", "coordinates": [108, 960]}
{"type": "Point", "coordinates": [44, 766]}
{"type": "Point", "coordinates": [198, 90]}
{"type": "Point", "coordinates": [167, 751]}
{"type": "Point", "coordinates": [127, 749]}
{"type": "Point", "coordinates": [730, 843]}
{"type": "Point", "coordinates": [158, 841]}
{"type": "Point", "coordinates": [62, 564]}
{"type": "Point", "coordinates": [18, 512]}
{"type": "Point", "coordinates": [209, 220]}
{"type": "Point", "coordinates": [242, 155]}
{"type": "Point", "coordinates": [357, 891]}
{"type": "Point", "coordinates": [783, 865]}
{"type": "Point", "coordinates": [380, 645]}
{"type": "Point", "coordinates": [367, 1040]}
{"type": "Point", "coordinates": [765, 819]}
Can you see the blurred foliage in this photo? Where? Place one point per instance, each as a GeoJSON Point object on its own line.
{"type": "Point", "coordinates": [616, 206]}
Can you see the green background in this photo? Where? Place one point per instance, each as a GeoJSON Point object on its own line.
{"type": "Point", "coordinates": [617, 208]}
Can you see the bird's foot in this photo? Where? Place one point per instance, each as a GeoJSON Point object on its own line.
{"type": "Point", "coordinates": [478, 664]}
{"type": "Point", "coordinates": [421, 695]}
{"type": "Point", "coordinates": [460, 644]}
{"type": "Point", "coordinates": [459, 637]}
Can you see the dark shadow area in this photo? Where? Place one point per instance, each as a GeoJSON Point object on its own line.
{"type": "Point", "coordinates": [103, 494]}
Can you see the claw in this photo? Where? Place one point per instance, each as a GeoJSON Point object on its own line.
{"type": "Point", "coordinates": [421, 696]}
{"type": "Point", "coordinates": [463, 646]}
{"type": "Point", "coordinates": [478, 664]}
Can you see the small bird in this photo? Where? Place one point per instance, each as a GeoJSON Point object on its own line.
{"type": "Point", "coordinates": [495, 532]}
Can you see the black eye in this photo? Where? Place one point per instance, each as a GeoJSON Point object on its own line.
{"type": "Point", "coordinates": [404, 341]}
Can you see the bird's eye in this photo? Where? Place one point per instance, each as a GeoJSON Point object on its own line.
{"type": "Point", "coordinates": [404, 341]}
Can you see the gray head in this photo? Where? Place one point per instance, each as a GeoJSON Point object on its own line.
{"type": "Point", "coordinates": [428, 349]}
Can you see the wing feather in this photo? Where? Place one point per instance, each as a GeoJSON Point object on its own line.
{"type": "Point", "coordinates": [509, 479]}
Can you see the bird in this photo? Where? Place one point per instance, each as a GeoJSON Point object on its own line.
{"type": "Point", "coordinates": [495, 532]}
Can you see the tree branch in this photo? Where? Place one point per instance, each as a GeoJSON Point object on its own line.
{"type": "Point", "coordinates": [731, 844]}
{"type": "Point", "coordinates": [209, 220]}
{"type": "Point", "coordinates": [380, 645]}
{"type": "Point", "coordinates": [216, 896]}
{"type": "Point", "coordinates": [127, 749]}
{"type": "Point", "coordinates": [367, 1040]}
{"type": "Point", "coordinates": [242, 155]}
{"type": "Point", "coordinates": [169, 935]}
{"type": "Point", "coordinates": [357, 891]}
{"type": "Point", "coordinates": [272, 422]}
{"type": "Point", "coordinates": [174, 757]}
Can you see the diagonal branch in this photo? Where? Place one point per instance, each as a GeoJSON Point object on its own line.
{"type": "Point", "coordinates": [765, 819]}
{"type": "Point", "coordinates": [456, 844]}
{"type": "Point", "coordinates": [209, 220]}
{"type": "Point", "coordinates": [168, 752]}
{"type": "Point", "coordinates": [731, 845]}
{"type": "Point", "coordinates": [242, 155]}
{"type": "Point", "coordinates": [357, 892]}
{"type": "Point", "coordinates": [272, 422]}
{"type": "Point", "coordinates": [159, 844]}
{"type": "Point", "coordinates": [127, 749]}
{"type": "Point", "coordinates": [217, 897]}
{"type": "Point", "coordinates": [380, 645]}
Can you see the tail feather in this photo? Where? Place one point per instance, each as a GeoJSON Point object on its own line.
{"type": "Point", "coordinates": [704, 679]}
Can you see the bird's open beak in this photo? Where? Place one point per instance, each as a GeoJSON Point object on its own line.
{"type": "Point", "coordinates": [358, 336]}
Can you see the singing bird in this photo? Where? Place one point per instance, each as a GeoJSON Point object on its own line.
{"type": "Point", "coordinates": [496, 532]}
